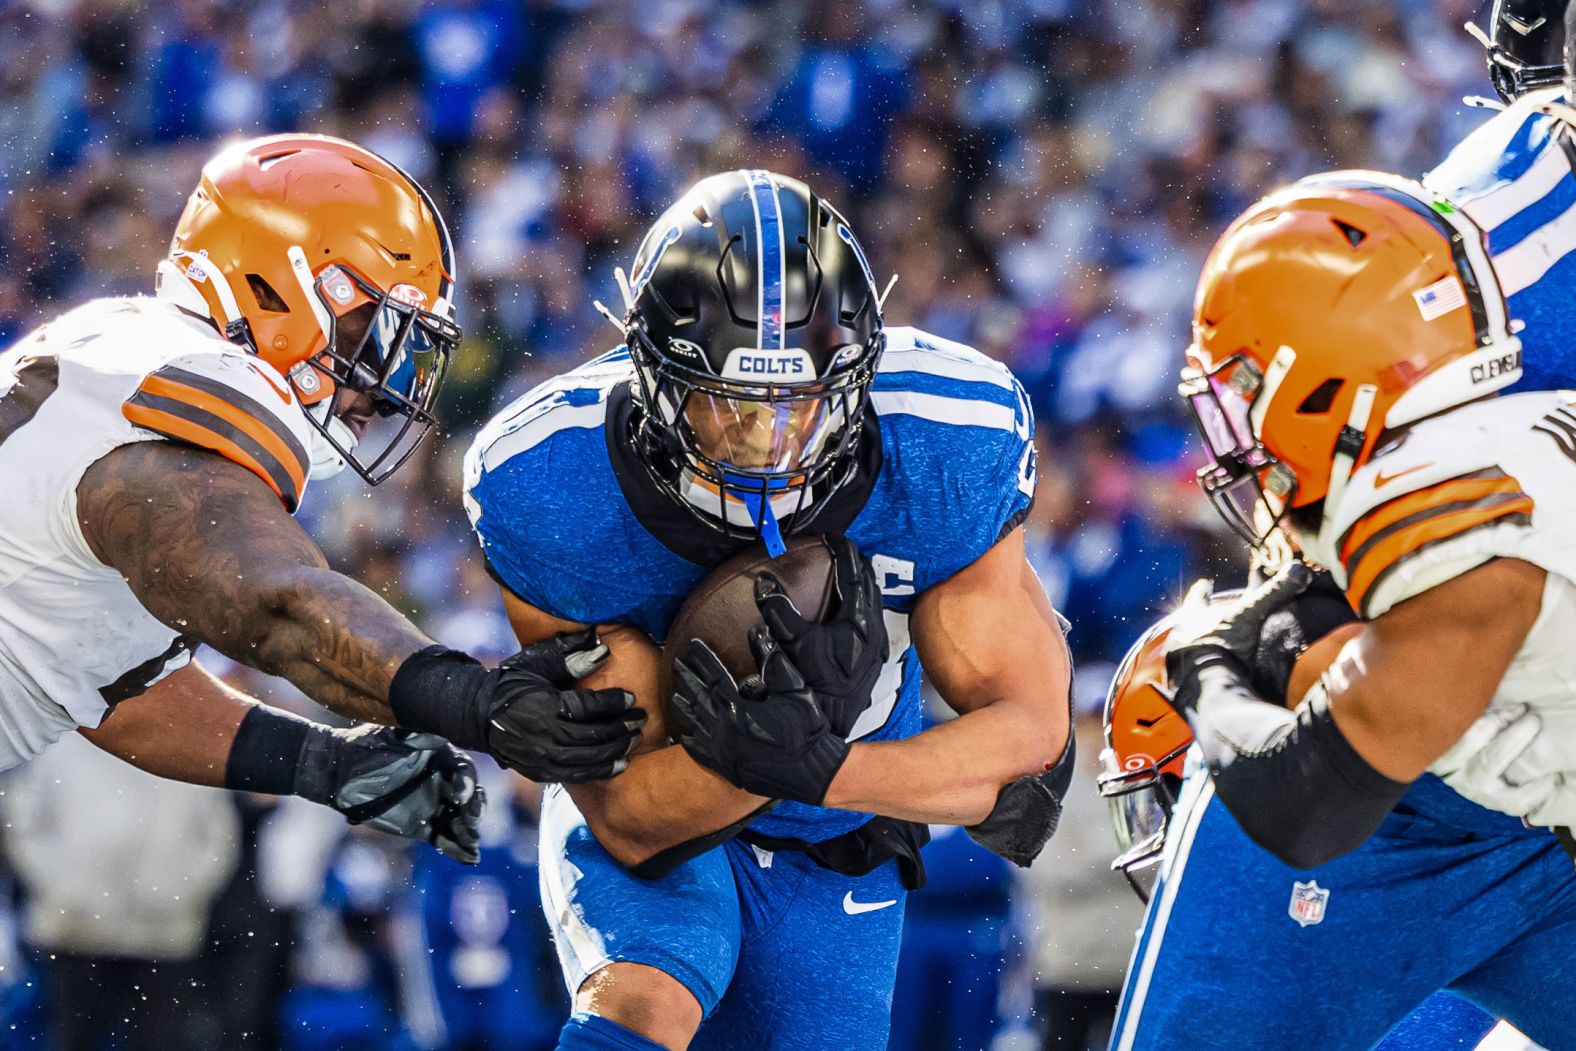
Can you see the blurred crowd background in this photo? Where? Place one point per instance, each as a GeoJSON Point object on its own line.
{"type": "Point", "coordinates": [1044, 176]}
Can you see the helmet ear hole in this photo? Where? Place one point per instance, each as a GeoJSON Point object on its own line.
{"type": "Point", "coordinates": [1321, 399]}
{"type": "Point", "coordinates": [267, 298]}
{"type": "Point", "coordinates": [1353, 235]}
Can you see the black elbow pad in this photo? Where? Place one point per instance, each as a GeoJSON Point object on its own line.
{"type": "Point", "coordinates": [1027, 810]}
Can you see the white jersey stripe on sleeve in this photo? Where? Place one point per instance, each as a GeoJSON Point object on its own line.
{"type": "Point", "coordinates": [949, 366]}
{"type": "Point", "coordinates": [1507, 200]}
{"type": "Point", "coordinates": [530, 429]}
{"type": "Point", "coordinates": [545, 410]}
{"type": "Point", "coordinates": [1525, 264]}
{"type": "Point", "coordinates": [962, 412]}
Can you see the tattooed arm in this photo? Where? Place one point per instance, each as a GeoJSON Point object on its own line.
{"type": "Point", "coordinates": [207, 548]}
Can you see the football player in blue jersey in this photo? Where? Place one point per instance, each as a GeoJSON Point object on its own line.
{"type": "Point", "coordinates": [746, 889]}
{"type": "Point", "coordinates": [1513, 176]}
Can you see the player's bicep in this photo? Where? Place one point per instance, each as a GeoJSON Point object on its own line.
{"type": "Point", "coordinates": [1413, 680]}
{"type": "Point", "coordinates": [988, 633]}
{"type": "Point", "coordinates": [196, 536]}
{"type": "Point", "coordinates": [633, 661]}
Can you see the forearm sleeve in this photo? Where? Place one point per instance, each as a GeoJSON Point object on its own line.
{"type": "Point", "coordinates": [1291, 779]}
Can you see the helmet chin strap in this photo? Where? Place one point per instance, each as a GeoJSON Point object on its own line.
{"type": "Point", "coordinates": [741, 508]}
{"type": "Point", "coordinates": [327, 460]}
{"type": "Point", "coordinates": [766, 522]}
{"type": "Point", "coordinates": [1348, 447]}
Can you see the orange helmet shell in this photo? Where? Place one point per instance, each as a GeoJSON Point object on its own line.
{"type": "Point", "coordinates": [1359, 280]}
{"type": "Point", "coordinates": [337, 204]}
{"type": "Point", "coordinates": [1141, 728]}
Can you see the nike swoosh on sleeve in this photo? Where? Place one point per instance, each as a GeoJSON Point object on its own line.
{"type": "Point", "coordinates": [1380, 478]}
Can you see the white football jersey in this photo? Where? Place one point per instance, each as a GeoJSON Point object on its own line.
{"type": "Point", "coordinates": [74, 641]}
{"type": "Point", "coordinates": [1496, 479]}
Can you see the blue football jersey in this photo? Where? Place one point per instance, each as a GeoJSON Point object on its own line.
{"type": "Point", "coordinates": [571, 523]}
{"type": "Point", "coordinates": [1512, 176]}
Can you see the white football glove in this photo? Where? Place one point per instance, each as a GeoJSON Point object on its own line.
{"type": "Point", "coordinates": [1507, 762]}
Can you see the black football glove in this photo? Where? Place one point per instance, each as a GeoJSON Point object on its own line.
{"type": "Point", "coordinates": [842, 658]}
{"type": "Point", "coordinates": [1225, 633]}
{"type": "Point", "coordinates": [767, 735]}
{"type": "Point", "coordinates": [410, 784]}
{"type": "Point", "coordinates": [1306, 619]}
{"type": "Point", "coordinates": [525, 713]}
{"type": "Point", "coordinates": [543, 727]}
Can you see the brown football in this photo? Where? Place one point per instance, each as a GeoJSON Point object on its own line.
{"type": "Point", "coordinates": [721, 610]}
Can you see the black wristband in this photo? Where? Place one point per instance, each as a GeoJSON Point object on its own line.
{"type": "Point", "coordinates": [266, 752]}
{"type": "Point", "coordinates": [439, 690]}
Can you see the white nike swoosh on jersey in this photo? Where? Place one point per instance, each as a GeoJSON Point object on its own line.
{"type": "Point", "coordinates": [854, 908]}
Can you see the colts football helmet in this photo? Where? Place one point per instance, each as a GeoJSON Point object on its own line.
{"type": "Point", "coordinates": [1330, 313]}
{"type": "Point", "coordinates": [290, 241]}
{"type": "Point", "coordinates": [755, 329]}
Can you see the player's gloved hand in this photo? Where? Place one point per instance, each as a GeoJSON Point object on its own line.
{"type": "Point", "coordinates": [1511, 760]}
{"type": "Point", "coordinates": [842, 658]}
{"type": "Point", "coordinates": [413, 785]}
{"type": "Point", "coordinates": [525, 713]}
{"type": "Point", "coordinates": [1289, 631]}
{"type": "Point", "coordinates": [1211, 634]}
{"type": "Point", "coordinates": [543, 727]}
{"type": "Point", "coordinates": [768, 734]}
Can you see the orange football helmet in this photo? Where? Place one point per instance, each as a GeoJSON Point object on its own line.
{"type": "Point", "coordinates": [1332, 311]}
{"type": "Point", "coordinates": [1146, 743]}
{"type": "Point", "coordinates": [289, 243]}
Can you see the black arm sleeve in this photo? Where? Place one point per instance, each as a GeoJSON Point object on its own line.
{"type": "Point", "coordinates": [439, 690]}
{"type": "Point", "coordinates": [1291, 779]}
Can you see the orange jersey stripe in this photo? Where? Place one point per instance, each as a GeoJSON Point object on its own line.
{"type": "Point", "coordinates": [257, 430]}
{"type": "Point", "coordinates": [176, 427]}
{"type": "Point", "coordinates": [1466, 489]}
{"type": "Point", "coordinates": [1376, 560]}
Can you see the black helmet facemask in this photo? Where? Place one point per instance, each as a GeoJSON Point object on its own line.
{"type": "Point", "coordinates": [1525, 45]}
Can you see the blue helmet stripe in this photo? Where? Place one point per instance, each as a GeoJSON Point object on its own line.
{"type": "Point", "coordinates": [772, 259]}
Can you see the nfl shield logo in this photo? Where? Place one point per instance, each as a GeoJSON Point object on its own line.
{"type": "Point", "coordinates": [1307, 903]}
